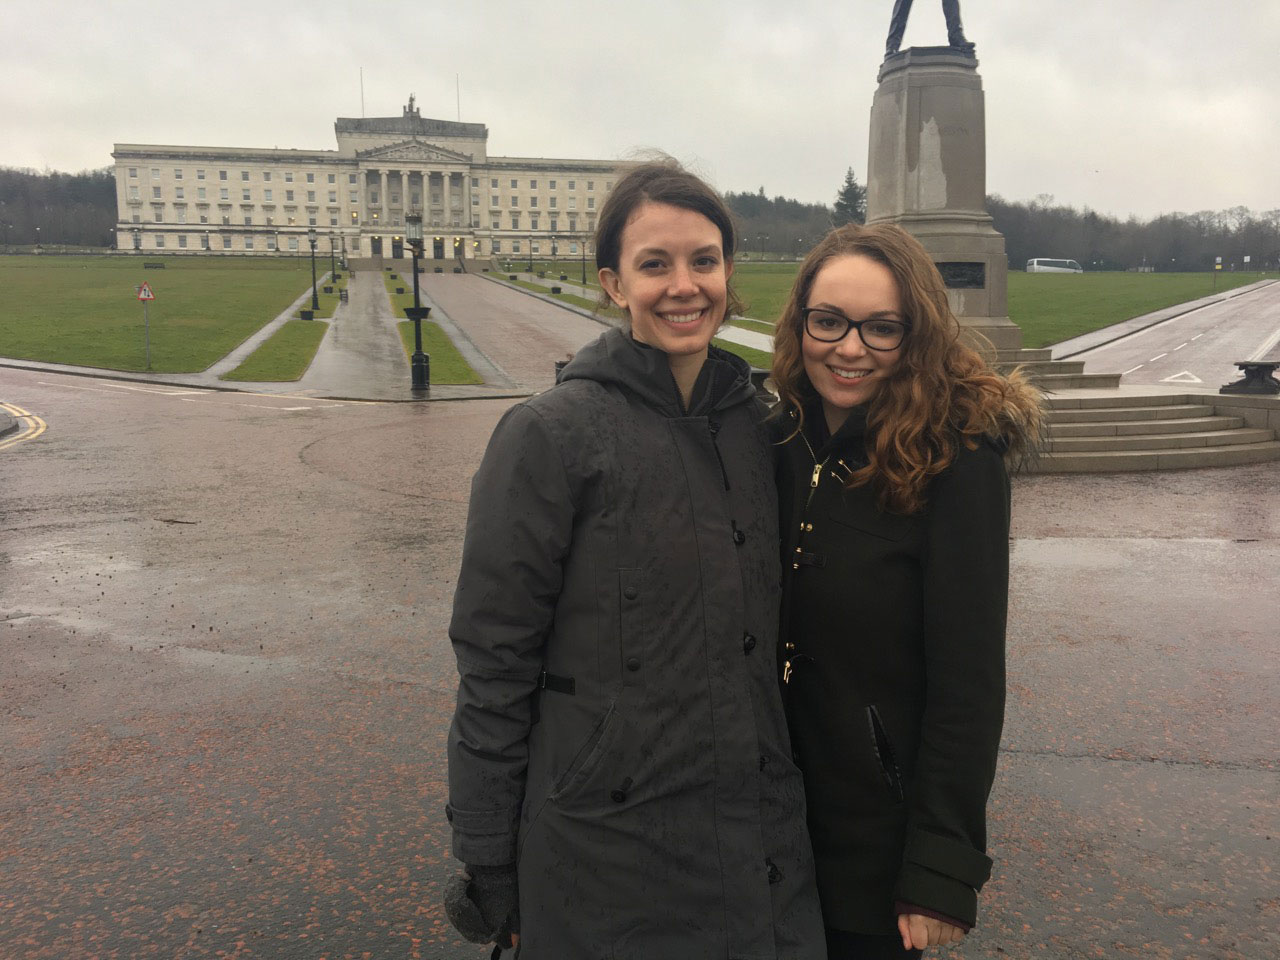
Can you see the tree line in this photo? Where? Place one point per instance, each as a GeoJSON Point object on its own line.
{"type": "Point", "coordinates": [79, 209]}
{"type": "Point", "coordinates": [54, 209]}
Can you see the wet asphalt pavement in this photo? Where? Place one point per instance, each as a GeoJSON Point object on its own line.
{"type": "Point", "coordinates": [226, 682]}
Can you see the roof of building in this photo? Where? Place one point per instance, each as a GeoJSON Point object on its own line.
{"type": "Point", "coordinates": [411, 123]}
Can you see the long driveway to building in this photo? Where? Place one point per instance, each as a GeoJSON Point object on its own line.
{"type": "Point", "coordinates": [225, 683]}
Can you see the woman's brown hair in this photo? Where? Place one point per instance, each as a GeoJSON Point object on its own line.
{"type": "Point", "coordinates": [941, 391]}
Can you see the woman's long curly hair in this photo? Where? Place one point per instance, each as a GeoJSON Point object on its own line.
{"type": "Point", "coordinates": [941, 390]}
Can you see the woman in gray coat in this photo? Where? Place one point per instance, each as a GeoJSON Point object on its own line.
{"type": "Point", "coordinates": [621, 781]}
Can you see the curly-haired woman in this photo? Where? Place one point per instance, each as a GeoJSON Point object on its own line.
{"type": "Point", "coordinates": [894, 512]}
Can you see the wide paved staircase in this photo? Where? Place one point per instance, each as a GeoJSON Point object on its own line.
{"type": "Point", "coordinates": [1099, 434]}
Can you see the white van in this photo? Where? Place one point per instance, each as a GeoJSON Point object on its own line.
{"type": "Point", "coordinates": [1045, 265]}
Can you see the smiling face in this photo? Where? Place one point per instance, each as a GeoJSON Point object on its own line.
{"type": "Point", "coordinates": [847, 373]}
{"type": "Point", "coordinates": [672, 279]}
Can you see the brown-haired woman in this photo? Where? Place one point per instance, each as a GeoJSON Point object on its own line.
{"type": "Point", "coordinates": [894, 511]}
{"type": "Point", "coordinates": [620, 778]}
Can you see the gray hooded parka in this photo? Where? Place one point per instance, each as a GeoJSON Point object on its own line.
{"type": "Point", "coordinates": [619, 732]}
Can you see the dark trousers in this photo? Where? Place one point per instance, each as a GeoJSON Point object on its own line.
{"type": "Point", "coordinates": [843, 945]}
{"type": "Point", "coordinates": [898, 23]}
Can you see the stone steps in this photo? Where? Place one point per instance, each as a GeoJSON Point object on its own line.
{"type": "Point", "coordinates": [1102, 434]}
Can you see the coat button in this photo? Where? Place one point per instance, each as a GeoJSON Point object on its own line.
{"type": "Point", "coordinates": [633, 664]}
{"type": "Point", "coordinates": [617, 796]}
{"type": "Point", "coordinates": [790, 647]}
{"type": "Point", "coordinates": [739, 537]}
{"type": "Point", "coordinates": [748, 643]}
{"type": "Point", "coordinates": [630, 593]}
{"type": "Point", "coordinates": [773, 873]}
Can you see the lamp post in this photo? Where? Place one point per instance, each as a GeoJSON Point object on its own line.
{"type": "Point", "coordinates": [531, 253]}
{"type": "Point", "coordinates": [583, 248]}
{"type": "Point", "coordinates": [333, 266]}
{"type": "Point", "coordinates": [420, 363]}
{"type": "Point", "coordinates": [315, 297]}
{"type": "Point", "coordinates": [554, 266]}
{"type": "Point", "coordinates": [761, 238]}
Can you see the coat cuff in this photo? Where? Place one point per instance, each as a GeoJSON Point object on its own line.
{"type": "Point", "coordinates": [901, 909]}
{"type": "Point", "coordinates": [483, 837]}
{"type": "Point", "coordinates": [942, 874]}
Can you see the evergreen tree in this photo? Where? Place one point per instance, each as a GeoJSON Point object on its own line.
{"type": "Point", "coordinates": [851, 202]}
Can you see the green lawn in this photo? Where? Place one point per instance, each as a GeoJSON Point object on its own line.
{"type": "Point", "coordinates": [285, 356]}
{"type": "Point", "coordinates": [447, 364]}
{"type": "Point", "coordinates": [1052, 307]}
{"type": "Point", "coordinates": [577, 301]}
{"type": "Point", "coordinates": [757, 358]}
{"type": "Point", "coordinates": [84, 310]}
{"type": "Point", "coordinates": [328, 301]}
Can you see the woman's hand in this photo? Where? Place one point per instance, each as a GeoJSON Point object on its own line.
{"type": "Point", "coordinates": [919, 931]}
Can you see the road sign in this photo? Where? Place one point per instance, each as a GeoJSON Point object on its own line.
{"type": "Point", "coordinates": [144, 292]}
{"type": "Point", "coordinates": [1246, 258]}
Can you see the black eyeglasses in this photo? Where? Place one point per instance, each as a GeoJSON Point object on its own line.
{"type": "Point", "coordinates": [831, 327]}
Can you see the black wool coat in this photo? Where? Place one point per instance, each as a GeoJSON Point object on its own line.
{"type": "Point", "coordinates": [892, 636]}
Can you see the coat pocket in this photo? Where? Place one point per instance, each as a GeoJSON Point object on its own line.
{"type": "Point", "coordinates": [584, 763]}
{"type": "Point", "coordinates": [882, 746]}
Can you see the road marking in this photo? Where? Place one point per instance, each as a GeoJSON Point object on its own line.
{"type": "Point", "coordinates": [1197, 336]}
{"type": "Point", "coordinates": [1131, 369]}
{"type": "Point", "coordinates": [1179, 347]}
{"type": "Point", "coordinates": [1186, 376]}
{"type": "Point", "coordinates": [1157, 357]}
{"type": "Point", "coordinates": [1263, 350]}
{"type": "Point", "coordinates": [32, 426]}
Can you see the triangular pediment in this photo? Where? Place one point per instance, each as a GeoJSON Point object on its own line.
{"type": "Point", "coordinates": [417, 150]}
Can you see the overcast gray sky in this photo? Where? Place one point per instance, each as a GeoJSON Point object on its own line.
{"type": "Point", "coordinates": [1125, 106]}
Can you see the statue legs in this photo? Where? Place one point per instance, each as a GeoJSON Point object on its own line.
{"type": "Point", "coordinates": [898, 26]}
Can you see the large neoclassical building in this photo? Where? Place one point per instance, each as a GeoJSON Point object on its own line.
{"type": "Point", "coordinates": [248, 201]}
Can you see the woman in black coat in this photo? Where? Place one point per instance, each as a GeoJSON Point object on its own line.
{"type": "Point", "coordinates": [894, 513]}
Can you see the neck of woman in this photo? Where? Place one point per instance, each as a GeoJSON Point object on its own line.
{"type": "Point", "coordinates": [685, 369]}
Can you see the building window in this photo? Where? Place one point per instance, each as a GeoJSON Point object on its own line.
{"type": "Point", "coordinates": [133, 172]}
{"type": "Point", "coordinates": [177, 173]}
{"type": "Point", "coordinates": [554, 228]}
{"type": "Point", "coordinates": [288, 177]}
{"type": "Point", "coordinates": [534, 246]}
{"type": "Point", "coordinates": [591, 184]}
{"type": "Point", "coordinates": [533, 201]}
{"type": "Point", "coordinates": [395, 198]}
{"type": "Point", "coordinates": [493, 200]}
{"type": "Point", "coordinates": [155, 173]}
{"type": "Point", "coordinates": [248, 220]}
{"type": "Point", "coordinates": [573, 225]}
{"type": "Point", "coordinates": [475, 200]}
{"type": "Point", "coordinates": [224, 193]}
{"type": "Point", "coordinates": [533, 184]}
{"type": "Point", "coordinates": [288, 196]}
{"type": "Point", "coordinates": [178, 193]}
{"type": "Point", "coordinates": [266, 176]}
{"type": "Point", "coordinates": [204, 242]}
{"type": "Point", "coordinates": [244, 194]}
{"type": "Point", "coordinates": [495, 225]}
{"type": "Point", "coordinates": [311, 221]}
{"type": "Point", "coordinates": [270, 221]}
{"type": "Point", "coordinates": [515, 223]}
{"type": "Point", "coordinates": [226, 219]}
{"type": "Point", "coordinates": [514, 183]}
{"type": "Point", "coordinates": [311, 196]}
{"type": "Point", "coordinates": [355, 217]}
{"type": "Point", "coordinates": [133, 193]}
{"type": "Point", "coordinates": [573, 247]}
{"type": "Point", "coordinates": [159, 240]}
{"type": "Point", "coordinates": [182, 214]}
{"type": "Point", "coordinates": [248, 243]}
{"type": "Point", "coordinates": [353, 196]}
{"type": "Point", "coordinates": [226, 243]}
{"type": "Point", "coordinates": [293, 243]}
{"type": "Point", "coordinates": [157, 214]}
{"type": "Point", "coordinates": [496, 246]}
{"type": "Point", "coordinates": [573, 203]}
{"type": "Point", "coordinates": [515, 246]}
{"type": "Point", "coordinates": [199, 174]}
{"type": "Point", "coordinates": [155, 192]}
{"type": "Point", "coordinates": [333, 178]}
{"type": "Point", "coordinates": [493, 183]}
{"type": "Point", "coordinates": [435, 199]}
{"type": "Point", "coordinates": [553, 184]}
{"type": "Point", "coordinates": [311, 178]}
{"type": "Point", "coordinates": [475, 221]}
{"type": "Point", "coordinates": [200, 193]}
{"type": "Point", "coordinates": [515, 201]}
{"type": "Point", "coordinates": [608, 186]}
{"type": "Point", "coordinates": [333, 196]}
{"type": "Point", "coordinates": [533, 223]}
{"type": "Point", "coordinates": [137, 218]}
{"type": "Point", "coordinates": [573, 185]}
{"type": "Point", "coordinates": [591, 203]}
{"type": "Point", "coordinates": [552, 201]}
{"type": "Point", "coordinates": [222, 175]}
{"type": "Point", "coordinates": [351, 178]}
{"type": "Point", "coordinates": [271, 243]}
{"type": "Point", "coordinates": [244, 175]}
{"type": "Point", "coordinates": [475, 182]}
{"type": "Point", "coordinates": [204, 218]}
{"type": "Point", "coordinates": [266, 196]}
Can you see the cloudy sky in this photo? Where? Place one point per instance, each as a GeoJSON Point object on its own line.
{"type": "Point", "coordinates": [1126, 106]}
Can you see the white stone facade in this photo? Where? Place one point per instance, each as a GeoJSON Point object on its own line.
{"type": "Point", "coordinates": [237, 200]}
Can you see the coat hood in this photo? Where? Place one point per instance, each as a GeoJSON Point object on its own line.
{"type": "Point", "coordinates": [724, 380]}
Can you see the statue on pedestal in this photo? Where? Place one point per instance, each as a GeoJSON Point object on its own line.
{"type": "Point", "coordinates": [898, 24]}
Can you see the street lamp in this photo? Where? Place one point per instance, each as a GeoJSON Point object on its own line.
{"type": "Point", "coordinates": [531, 253]}
{"type": "Point", "coordinates": [333, 266]}
{"type": "Point", "coordinates": [315, 297]}
{"type": "Point", "coordinates": [420, 363]}
{"type": "Point", "coordinates": [761, 238]}
{"type": "Point", "coordinates": [583, 248]}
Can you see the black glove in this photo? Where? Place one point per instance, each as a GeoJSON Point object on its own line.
{"type": "Point", "coordinates": [483, 904]}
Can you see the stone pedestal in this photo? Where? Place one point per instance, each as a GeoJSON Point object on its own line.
{"type": "Point", "coordinates": [927, 172]}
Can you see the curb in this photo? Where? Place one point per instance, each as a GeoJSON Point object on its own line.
{"type": "Point", "coordinates": [8, 424]}
{"type": "Point", "coordinates": [547, 298]}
